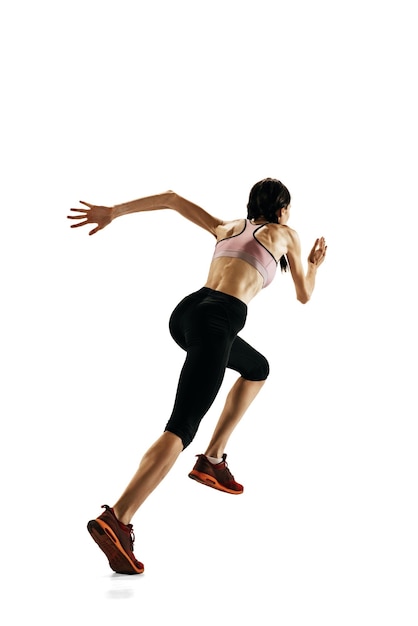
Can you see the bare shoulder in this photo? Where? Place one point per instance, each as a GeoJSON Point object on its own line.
{"type": "Point", "coordinates": [290, 234]}
{"type": "Point", "coordinates": [229, 228]}
{"type": "Point", "coordinates": [293, 248]}
{"type": "Point", "coordinates": [277, 236]}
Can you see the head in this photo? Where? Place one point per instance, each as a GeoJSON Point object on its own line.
{"type": "Point", "coordinates": [269, 199]}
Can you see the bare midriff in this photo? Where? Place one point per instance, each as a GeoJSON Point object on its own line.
{"type": "Point", "coordinates": [235, 277]}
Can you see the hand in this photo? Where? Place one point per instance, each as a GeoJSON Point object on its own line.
{"type": "Point", "coordinates": [318, 252]}
{"type": "Point", "coordinates": [100, 215]}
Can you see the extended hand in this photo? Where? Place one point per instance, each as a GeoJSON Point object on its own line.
{"type": "Point", "coordinates": [100, 215]}
{"type": "Point", "coordinates": [318, 252]}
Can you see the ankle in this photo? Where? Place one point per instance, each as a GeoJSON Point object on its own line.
{"type": "Point", "coordinates": [121, 516]}
{"type": "Point", "coordinates": [214, 460]}
{"type": "Point", "coordinates": [214, 453]}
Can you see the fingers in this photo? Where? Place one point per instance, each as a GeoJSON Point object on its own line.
{"type": "Point", "coordinates": [318, 252]}
{"type": "Point", "coordinates": [320, 244]}
{"type": "Point", "coordinates": [322, 250]}
{"type": "Point", "coordinates": [76, 217]}
{"type": "Point", "coordinates": [314, 247]}
{"type": "Point", "coordinates": [83, 216]}
{"type": "Point", "coordinates": [80, 210]}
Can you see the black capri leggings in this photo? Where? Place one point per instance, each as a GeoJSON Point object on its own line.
{"type": "Point", "coordinates": [206, 324]}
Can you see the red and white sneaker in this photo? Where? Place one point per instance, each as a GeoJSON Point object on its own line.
{"type": "Point", "coordinates": [216, 476]}
{"type": "Point", "coordinates": [116, 540]}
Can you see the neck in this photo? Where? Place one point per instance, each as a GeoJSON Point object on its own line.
{"type": "Point", "coordinates": [258, 220]}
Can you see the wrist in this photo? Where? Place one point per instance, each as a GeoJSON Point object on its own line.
{"type": "Point", "coordinates": [115, 211]}
{"type": "Point", "coordinates": [119, 209]}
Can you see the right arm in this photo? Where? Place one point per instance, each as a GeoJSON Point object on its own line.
{"type": "Point", "coordinates": [103, 215]}
{"type": "Point", "coordinates": [304, 283]}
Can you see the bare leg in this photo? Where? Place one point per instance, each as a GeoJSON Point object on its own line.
{"type": "Point", "coordinates": [160, 458]}
{"type": "Point", "coordinates": [154, 466]}
{"type": "Point", "coordinates": [238, 400]}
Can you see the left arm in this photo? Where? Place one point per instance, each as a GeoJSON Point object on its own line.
{"type": "Point", "coordinates": [304, 283]}
{"type": "Point", "coordinates": [102, 215]}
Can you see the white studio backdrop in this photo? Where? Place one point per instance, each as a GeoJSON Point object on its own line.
{"type": "Point", "coordinates": [106, 102]}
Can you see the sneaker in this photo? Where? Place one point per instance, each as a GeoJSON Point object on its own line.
{"type": "Point", "coordinates": [215, 476]}
{"type": "Point", "coordinates": [117, 542]}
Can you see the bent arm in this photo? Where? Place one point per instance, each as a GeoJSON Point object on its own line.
{"type": "Point", "coordinates": [103, 215]}
{"type": "Point", "coordinates": [170, 200]}
{"type": "Point", "coordinates": [304, 283]}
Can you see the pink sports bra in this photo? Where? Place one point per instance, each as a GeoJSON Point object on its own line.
{"type": "Point", "coordinates": [246, 246]}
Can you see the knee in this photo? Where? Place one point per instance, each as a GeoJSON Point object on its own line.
{"type": "Point", "coordinates": [185, 434]}
{"type": "Point", "coordinates": [259, 370]}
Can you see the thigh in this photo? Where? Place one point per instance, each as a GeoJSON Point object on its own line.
{"type": "Point", "coordinates": [207, 341]}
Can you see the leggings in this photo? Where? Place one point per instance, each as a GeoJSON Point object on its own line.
{"type": "Point", "coordinates": [206, 324]}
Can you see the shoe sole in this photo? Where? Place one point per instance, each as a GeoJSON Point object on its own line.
{"type": "Point", "coordinates": [210, 481]}
{"type": "Point", "coordinates": [108, 542]}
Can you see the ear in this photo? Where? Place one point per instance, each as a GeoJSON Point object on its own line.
{"type": "Point", "coordinates": [281, 211]}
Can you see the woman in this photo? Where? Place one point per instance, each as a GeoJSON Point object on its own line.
{"type": "Point", "coordinates": [206, 325]}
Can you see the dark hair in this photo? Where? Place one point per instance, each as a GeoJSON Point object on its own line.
{"type": "Point", "coordinates": [266, 198]}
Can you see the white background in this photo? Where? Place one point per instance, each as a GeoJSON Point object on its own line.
{"type": "Point", "coordinates": [107, 102]}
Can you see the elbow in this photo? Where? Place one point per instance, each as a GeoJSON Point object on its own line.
{"type": "Point", "coordinates": [303, 297]}
{"type": "Point", "coordinates": [170, 199]}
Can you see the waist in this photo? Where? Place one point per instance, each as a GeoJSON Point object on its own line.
{"type": "Point", "coordinates": [234, 277]}
{"type": "Point", "coordinates": [266, 267]}
{"type": "Point", "coordinates": [220, 296]}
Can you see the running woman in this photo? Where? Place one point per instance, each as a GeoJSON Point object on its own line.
{"type": "Point", "coordinates": [206, 324]}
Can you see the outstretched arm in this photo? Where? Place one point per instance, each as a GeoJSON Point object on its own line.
{"type": "Point", "coordinates": [103, 215]}
{"type": "Point", "coordinates": [305, 283]}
